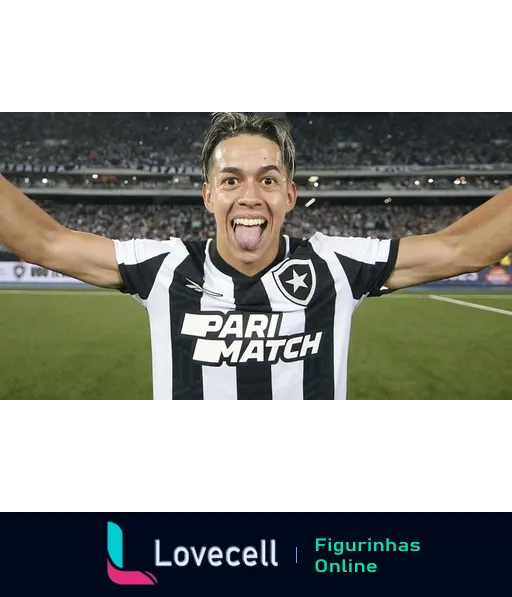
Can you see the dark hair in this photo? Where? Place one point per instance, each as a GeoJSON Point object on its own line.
{"type": "Point", "coordinates": [225, 125]}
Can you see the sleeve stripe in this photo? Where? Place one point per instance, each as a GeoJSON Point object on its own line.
{"type": "Point", "coordinates": [388, 270]}
{"type": "Point", "coordinates": [139, 261]}
{"type": "Point", "coordinates": [138, 250]}
{"type": "Point", "coordinates": [358, 273]}
{"type": "Point", "coordinates": [384, 251]}
{"type": "Point", "coordinates": [364, 250]}
{"type": "Point", "coordinates": [367, 274]}
{"type": "Point", "coordinates": [139, 278]}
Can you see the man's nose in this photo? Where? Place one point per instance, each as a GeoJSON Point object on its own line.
{"type": "Point", "coordinates": [250, 197]}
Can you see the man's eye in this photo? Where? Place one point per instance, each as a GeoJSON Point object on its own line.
{"type": "Point", "coordinates": [268, 180]}
{"type": "Point", "coordinates": [231, 181]}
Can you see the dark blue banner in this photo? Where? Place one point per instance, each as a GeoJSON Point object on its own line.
{"type": "Point", "coordinates": [497, 276]}
{"type": "Point", "coordinates": [256, 554]}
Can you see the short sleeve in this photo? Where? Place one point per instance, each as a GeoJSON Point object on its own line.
{"type": "Point", "coordinates": [139, 262]}
{"type": "Point", "coordinates": [367, 262]}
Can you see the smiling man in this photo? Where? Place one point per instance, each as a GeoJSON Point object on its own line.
{"type": "Point", "coordinates": [253, 313]}
{"type": "Point", "coordinates": [249, 188]}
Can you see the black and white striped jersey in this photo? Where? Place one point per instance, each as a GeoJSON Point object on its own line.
{"type": "Point", "coordinates": [280, 335]}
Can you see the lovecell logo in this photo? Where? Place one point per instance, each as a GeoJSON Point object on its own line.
{"type": "Point", "coordinates": [115, 561]}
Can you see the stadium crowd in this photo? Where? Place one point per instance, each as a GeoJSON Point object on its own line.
{"type": "Point", "coordinates": [323, 140]}
{"type": "Point", "coordinates": [194, 222]}
{"type": "Point", "coordinates": [135, 140]}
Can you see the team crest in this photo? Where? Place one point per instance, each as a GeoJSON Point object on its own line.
{"type": "Point", "coordinates": [296, 279]}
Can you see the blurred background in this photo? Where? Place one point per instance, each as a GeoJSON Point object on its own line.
{"type": "Point", "coordinates": [380, 174]}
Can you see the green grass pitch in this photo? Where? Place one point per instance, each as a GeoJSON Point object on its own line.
{"type": "Point", "coordinates": [94, 345]}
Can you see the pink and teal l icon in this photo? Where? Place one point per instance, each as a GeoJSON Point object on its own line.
{"type": "Point", "coordinates": [115, 561]}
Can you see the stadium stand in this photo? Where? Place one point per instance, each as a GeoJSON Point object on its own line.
{"type": "Point", "coordinates": [404, 173]}
{"type": "Point", "coordinates": [323, 140]}
{"type": "Point", "coordinates": [193, 222]}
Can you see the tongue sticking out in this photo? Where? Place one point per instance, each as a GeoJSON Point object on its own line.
{"type": "Point", "coordinates": [248, 237]}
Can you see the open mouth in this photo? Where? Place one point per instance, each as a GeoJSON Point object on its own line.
{"type": "Point", "coordinates": [248, 232]}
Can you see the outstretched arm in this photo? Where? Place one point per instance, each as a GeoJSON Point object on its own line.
{"type": "Point", "coordinates": [479, 239]}
{"type": "Point", "coordinates": [28, 231]}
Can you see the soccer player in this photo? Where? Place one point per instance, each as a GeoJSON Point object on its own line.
{"type": "Point", "coordinates": [253, 314]}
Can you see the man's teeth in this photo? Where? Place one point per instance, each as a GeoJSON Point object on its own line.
{"type": "Point", "coordinates": [248, 222]}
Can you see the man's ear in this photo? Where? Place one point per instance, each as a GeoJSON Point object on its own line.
{"type": "Point", "coordinates": [292, 196]}
{"type": "Point", "coordinates": [207, 197]}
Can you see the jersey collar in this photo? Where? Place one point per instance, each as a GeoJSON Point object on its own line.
{"type": "Point", "coordinates": [227, 269]}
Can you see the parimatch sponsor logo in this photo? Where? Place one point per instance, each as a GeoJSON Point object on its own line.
{"type": "Point", "coordinates": [243, 337]}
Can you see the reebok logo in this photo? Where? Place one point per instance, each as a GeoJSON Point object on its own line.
{"type": "Point", "coordinates": [195, 286]}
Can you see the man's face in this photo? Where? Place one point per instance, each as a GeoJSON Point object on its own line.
{"type": "Point", "coordinates": [249, 193]}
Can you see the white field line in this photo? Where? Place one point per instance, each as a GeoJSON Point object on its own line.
{"type": "Point", "coordinates": [473, 305]}
{"type": "Point", "coordinates": [426, 296]}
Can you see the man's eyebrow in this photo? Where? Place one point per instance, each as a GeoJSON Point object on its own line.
{"type": "Point", "coordinates": [234, 170]}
